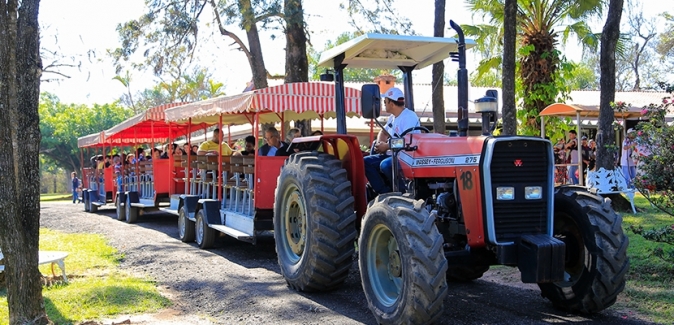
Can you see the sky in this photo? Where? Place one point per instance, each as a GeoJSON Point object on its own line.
{"type": "Point", "coordinates": [82, 30]}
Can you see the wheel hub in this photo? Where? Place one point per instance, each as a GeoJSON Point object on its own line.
{"type": "Point", "coordinates": [394, 266]}
{"type": "Point", "coordinates": [295, 223]}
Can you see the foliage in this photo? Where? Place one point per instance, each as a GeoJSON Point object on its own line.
{"type": "Point", "coordinates": [61, 124]}
{"type": "Point", "coordinates": [96, 288]}
{"type": "Point", "coordinates": [648, 289]}
{"type": "Point", "coordinates": [655, 175]}
{"type": "Point", "coordinates": [379, 16]}
{"type": "Point", "coordinates": [539, 61]}
{"type": "Point", "coordinates": [556, 90]}
{"type": "Point", "coordinates": [354, 75]}
{"type": "Point", "coordinates": [665, 46]}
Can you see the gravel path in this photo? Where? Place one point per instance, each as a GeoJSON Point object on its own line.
{"type": "Point", "coordinates": [238, 283]}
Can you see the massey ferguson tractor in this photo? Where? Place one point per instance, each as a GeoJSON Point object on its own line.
{"type": "Point", "coordinates": [469, 202]}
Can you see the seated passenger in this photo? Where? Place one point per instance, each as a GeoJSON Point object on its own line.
{"type": "Point", "coordinates": [249, 150]}
{"type": "Point", "coordinates": [273, 145]}
{"type": "Point", "coordinates": [215, 146]}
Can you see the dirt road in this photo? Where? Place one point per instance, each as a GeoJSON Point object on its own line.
{"type": "Point", "coordinates": [238, 283]}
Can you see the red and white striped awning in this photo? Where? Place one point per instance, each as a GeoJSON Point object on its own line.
{"type": "Point", "coordinates": [294, 101]}
{"type": "Point", "coordinates": [91, 140]}
{"type": "Point", "coordinates": [147, 127]}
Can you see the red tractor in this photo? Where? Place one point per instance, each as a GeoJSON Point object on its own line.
{"type": "Point", "coordinates": [470, 202]}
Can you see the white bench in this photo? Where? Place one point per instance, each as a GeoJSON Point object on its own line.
{"type": "Point", "coordinates": [610, 182]}
{"type": "Point", "coordinates": [53, 257]}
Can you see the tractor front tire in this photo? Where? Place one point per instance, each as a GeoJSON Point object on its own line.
{"type": "Point", "coordinates": [314, 222]}
{"type": "Point", "coordinates": [121, 211]}
{"type": "Point", "coordinates": [596, 252]}
{"type": "Point", "coordinates": [402, 263]}
{"type": "Point", "coordinates": [185, 226]}
{"type": "Point", "coordinates": [205, 235]}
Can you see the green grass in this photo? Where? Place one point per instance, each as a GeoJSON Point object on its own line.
{"type": "Point", "coordinates": [55, 197]}
{"type": "Point", "coordinates": [97, 287]}
{"type": "Point", "coordinates": [649, 287]}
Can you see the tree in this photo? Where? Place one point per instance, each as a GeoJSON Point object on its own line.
{"type": "Point", "coordinates": [20, 71]}
{"type": "Point", "coordinates": [126, 82]}
{"type": "Point", "coordinates": [665, 46]}
{"type": "Point", "coordinates": [378, 15]}
{"type": "Point", "coordinates": [509, 67]}
{"type": "Point", "coordinates": [606, 145]}
{"type": "Point", "coordinates": [297, 63]}
{"type": "Point", "coordinates": [61, 125]}
{"type": "Point", "coordinates": [539, 60]}
{"type": "Point", "coordinates": [439, 72]}
{"type": "Point", "coordinates": [168, 34]}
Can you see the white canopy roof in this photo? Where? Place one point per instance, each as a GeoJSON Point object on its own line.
{"type": "Point", "coordinates": [383, 51]}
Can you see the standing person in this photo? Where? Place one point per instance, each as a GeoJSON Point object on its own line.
{"type": "Point", "coordinates": [76, 185]}
{"type": "Point", "coordinates": [585, 153]}
{"type": "Point", "coordinates": [215, 145]}
{"type": "Point", "coordinates": [400, 120]}
{"type": "Point", "coordinates": [593, 154]}
{"type": "Point", "coordinates": [572, 147]}
{"type": "Point", "coordinates": [626, 162]}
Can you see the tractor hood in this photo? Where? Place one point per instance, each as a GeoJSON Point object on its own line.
{"type": "Point", "coordinates": [437, 155]}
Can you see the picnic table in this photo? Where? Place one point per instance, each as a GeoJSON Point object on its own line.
{"type": "Point", "coordinates": [45, 257]}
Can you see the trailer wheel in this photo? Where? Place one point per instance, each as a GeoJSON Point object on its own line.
{"type": "Point", "coordinates": [185, 226]}
{"type": "Point", "coordinates": [402, 264]}
{"type": "Point", "coordinates": [131, 212]}
{"type": "Point", "coordinates": [205, 235]}
{"type": "Point", "coordinates": [314, 222]}
{"type": "Point", "coordinates": [121, 211]}
{"type": "Point", "coordinates": [92, 207]}
{"type": "Point", "coordinates": [85, 198]}
{"type": "Point", "coordinates": [596, 252]}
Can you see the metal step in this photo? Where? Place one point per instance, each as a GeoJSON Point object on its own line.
{"type": "Point", "coordinates": [169, 210]}
{"type": "Point", "coordinates": [234, 233]}
{"type": "Point", "coordinates": [241, 222]}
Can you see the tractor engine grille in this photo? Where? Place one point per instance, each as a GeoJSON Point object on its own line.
{"type": "Point", "coordinates": [520, 163]}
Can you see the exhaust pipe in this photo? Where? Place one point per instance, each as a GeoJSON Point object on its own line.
{"type": "Point", "coordinates": [462, 78]}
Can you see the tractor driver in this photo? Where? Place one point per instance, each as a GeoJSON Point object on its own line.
{"type": "Point", "coordinates": [381, 162]}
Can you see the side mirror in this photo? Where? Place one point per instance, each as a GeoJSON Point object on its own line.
{"type": "Point", "coordinates": [370, 101]}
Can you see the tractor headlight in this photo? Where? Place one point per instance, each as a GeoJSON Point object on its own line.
{"type": "Point", "coordinates": [533, 192]}
{"type": "Point", "coordinates": [397, 143]}
{"type": "Point", "coordinates": [505, 193]}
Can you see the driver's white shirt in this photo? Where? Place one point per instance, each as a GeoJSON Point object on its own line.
{"type": "Point", "coordinates": [406, 120]}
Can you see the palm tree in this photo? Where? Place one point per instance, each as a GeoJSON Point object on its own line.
{"type": "Point", "coordinates": [539, 24]}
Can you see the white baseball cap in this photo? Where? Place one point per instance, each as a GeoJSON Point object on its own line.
{"type": "Point", "coordinates": [395, 94]}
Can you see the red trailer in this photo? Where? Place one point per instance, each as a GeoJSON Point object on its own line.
{"type": "Point", "coordinates": [235, 195]}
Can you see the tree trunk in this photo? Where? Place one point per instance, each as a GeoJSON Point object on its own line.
{"type": "Point", "coordinates": [509, 113]}
{"type": "Point", "coordinates": [20, 71]}
{"type": "Point", "coordinates": [606, 145]}
{"type": "Point", "coordinates": [438, 96]}
{"type": "Point", "coordinates": [297, 63]}
{"type": "Point", "coordinates": [254, 46]}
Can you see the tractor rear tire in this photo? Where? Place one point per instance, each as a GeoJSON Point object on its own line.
{"type": "Point", "coordinates": [401, 260]}
{"type": "Point", "coordinates": [314, 222]}
{"type": "Point", "coordinates": [121, 211]}
{"type": "Point", "coordinates": [205, 235]}
{"type": "Point", "coordinates": [131, 212]}
{"type": "Point", "coordinates": [185, 226]}
{"type": "Point", "coordinates": [596, 252]}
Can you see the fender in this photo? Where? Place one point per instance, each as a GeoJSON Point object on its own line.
{"type": "Point", "coordinates": [132, 197]}
{"type": "Point", "coordinates": [211, 211]}
{"type": "Point", "coordinates": [189, 202]}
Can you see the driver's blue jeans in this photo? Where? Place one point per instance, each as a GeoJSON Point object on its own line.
{"type": "Point", "coordinates": [374, 164]}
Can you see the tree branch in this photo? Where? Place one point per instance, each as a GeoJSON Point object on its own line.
{"type": "Point", "coordinates": [227, 33]}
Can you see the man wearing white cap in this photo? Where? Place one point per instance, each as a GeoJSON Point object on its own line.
{"type": "Point", "coordinates": [400, 120]}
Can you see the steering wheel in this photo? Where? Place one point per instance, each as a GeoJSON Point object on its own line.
{"type": "Point", "coordinates": [423, 129]}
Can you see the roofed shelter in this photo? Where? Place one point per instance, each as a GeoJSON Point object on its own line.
{"type": "Point", "coordinates": [581, 111]}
